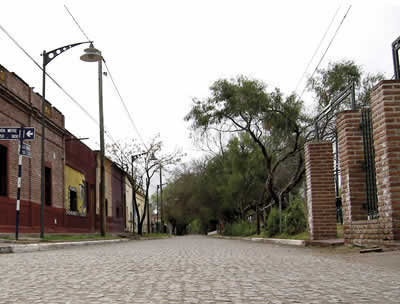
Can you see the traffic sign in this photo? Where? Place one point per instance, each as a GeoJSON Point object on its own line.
{"type": "Point", "coordinates": [25, 150]}
{"type": "Point", "coordinates": [29, 133]}
{"type": "Point", "coordinates": [12, 133]}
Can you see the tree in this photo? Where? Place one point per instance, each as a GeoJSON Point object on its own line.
{"type": "Point", "coordinates": [142, 169]}
{"type": "Point", "coordinates": [276, 124]}
{"type": "Point", "coordinates": [329, 82]}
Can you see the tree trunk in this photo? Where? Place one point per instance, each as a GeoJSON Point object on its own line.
{"type": "Point", "coordinates": [140, 227]}
{"type": "Point", "coordinates": [258, 220]}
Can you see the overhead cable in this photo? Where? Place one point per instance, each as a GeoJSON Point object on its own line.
{"type": "Point", "coordinates": [334, 36]}
{"type": "Point", "coordinates": [318, 47]}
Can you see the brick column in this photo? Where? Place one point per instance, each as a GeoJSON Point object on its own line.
{"type": "Point", "coordinates": [320, 190]}
{"type": "Point", "coordinates": [351, 158]}
{"type": "Point", "coordinates": [385, 103]}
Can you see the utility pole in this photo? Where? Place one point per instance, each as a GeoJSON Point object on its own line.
{"type": "Point", "coordinates": [161, 202]}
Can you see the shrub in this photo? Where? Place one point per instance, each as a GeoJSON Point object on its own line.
{"type": "Point", "coordinates": [295, 218]}
{"type": "Point", "coordinates": [272, 227]}
{"type": "Point", "coordinates": [243, 229]}
{"type": "Point", "coordinates": [227, 229]}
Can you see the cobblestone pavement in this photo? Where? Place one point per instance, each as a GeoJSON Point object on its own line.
{"type": "Point", "coordinates": [197, 269]}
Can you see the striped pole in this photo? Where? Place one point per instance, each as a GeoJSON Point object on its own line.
{"type": "Point", "coordinates": [21, 140]}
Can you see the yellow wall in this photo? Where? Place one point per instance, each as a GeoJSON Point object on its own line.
{"type": "Point", "coordinates": [76, 180]}
{"type": "Point", "coordinates": [108, 185]}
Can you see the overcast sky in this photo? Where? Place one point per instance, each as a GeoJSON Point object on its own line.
{"type": "Point", "coordinates": [163, 53]}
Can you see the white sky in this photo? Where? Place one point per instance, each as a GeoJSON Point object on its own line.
{"type": "Point", "coordinates": [164, 53]}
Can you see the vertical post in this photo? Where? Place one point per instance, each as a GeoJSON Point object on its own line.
{"type": "Point", "coordinates": [21, 141]}
{"type": "Point", "coordinates": [161, 202]}
{"type": "Point", "coordinates": [395, 49]}
{"type": "Point", "coordinates": [42, 176]}
{"type": "Point", "coordinates": [148, 207]}
{"type": "Point", "coordinates": [157, 223]}
{"type": "Point", "coordinates": [133, 198]}
{"type": "Point", "coordinates": [102, 178]}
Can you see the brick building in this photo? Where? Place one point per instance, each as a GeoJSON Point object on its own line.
{"type": "Point", "coordinates": [20, 106]}
{"type": "Point", "coordinates": [80, 186]}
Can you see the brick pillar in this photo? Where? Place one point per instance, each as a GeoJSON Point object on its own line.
{"type": "Point", "coordinates": [385, 103]}
{"type": "Point", "coordinates": [351, 158]}
{"type": "Point", "coordinates": [320, 190]}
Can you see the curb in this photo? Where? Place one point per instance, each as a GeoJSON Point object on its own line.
{"type": "Point", "coordinates": [53, 246]}
{"type": "Point", "coordinates": [302, 243]}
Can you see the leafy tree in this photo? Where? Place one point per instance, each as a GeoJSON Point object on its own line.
{"type": "Point", "coordinates": [329, 82]}
{"type": "Point", "coordinates": [275, 124]}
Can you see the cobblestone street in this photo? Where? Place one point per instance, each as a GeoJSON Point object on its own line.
{"type": "Point", "coordinates": [197, 269]}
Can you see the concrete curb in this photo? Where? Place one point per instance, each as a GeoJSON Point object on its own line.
{"type": "Point", "coordinates": [269, 241]}
{"type": "Point", "coordinates": [18, 248]}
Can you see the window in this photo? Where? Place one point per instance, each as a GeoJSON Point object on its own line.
{"type": "Point", "coordinates": [47, 186]}
{"type": "Point", "coordinates": [3, 170]}
{"type": "Point", "coordinates": [73, 199]}
{"type": "Point", "coordinates": [117, 211]}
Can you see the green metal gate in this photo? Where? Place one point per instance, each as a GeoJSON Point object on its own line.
{"type": "Point", "coordinates": [369, 164]}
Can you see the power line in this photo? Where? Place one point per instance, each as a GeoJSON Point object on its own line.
{"type": "Point", "coordinates": [318, 47]}
{"type": "Point", "coordinates": [124, 104]}
{"type": "Point", "coordinates": [54, 81]}
{"type": "Point", "coordinates": [112, 80]}
{"type": "Point", "coordinates": [77, 24]}
{"type": "Point", "coordinates": [334, 36]}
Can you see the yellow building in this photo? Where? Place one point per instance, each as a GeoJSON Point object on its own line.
{"type": "Point", "coordinates": [75, 192]}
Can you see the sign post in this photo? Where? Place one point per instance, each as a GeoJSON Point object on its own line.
{"type": "Point", "coordinates": [18, 133]}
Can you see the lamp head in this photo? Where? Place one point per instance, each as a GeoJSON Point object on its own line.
{"type": "Point", "coordinates": [91, 54]}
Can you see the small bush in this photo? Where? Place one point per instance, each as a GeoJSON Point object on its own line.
{"type": "Point", "coordinates": [239, 229]}
{"type": "Point", "coordinates": [295, 218]}
{"type": "Point", "coordinates": [243, 229]}
{"type": "Point", "coordinates": [272, 227]}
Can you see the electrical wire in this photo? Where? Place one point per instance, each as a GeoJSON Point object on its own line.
{"type": "Point", "coordinates": [54, 81]}
{"type": "Point", "coordinates": [333, 38]}
{"type": "Point", "coordinates": [318, 47]}
{"type": "Point", "coordinates": [124, 104]}
{"type": "Point", "coordinates": [112, 80]}
{"type": "Point", "coordinates": [77, 24]}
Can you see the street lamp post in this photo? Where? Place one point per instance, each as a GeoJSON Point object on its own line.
{"type": "Point", "coordinates": [94, 55]}
{"type": "Point", "coordinates": [47, 58]}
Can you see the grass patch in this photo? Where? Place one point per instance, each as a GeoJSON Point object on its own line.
{"type": "Point", "coordinates": [300, 236]}
{"type": "Point", "coordinates": [77, 237]}
{"type": "Point", "coordinates": [155, 235]}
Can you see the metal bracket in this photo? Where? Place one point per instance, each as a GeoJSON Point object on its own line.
{"type": "Point", "coordinates": [49, 56]}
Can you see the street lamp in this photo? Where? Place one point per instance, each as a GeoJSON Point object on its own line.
{"type": "Point", "coordinates": [94, 55]}
{"type": "Point", "coordinates": [47, 58]}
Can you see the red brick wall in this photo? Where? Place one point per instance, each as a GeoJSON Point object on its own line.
{"type": "Point", "coordinates": [351, 158]}
{"type": "Point", "coordinates": [18, 106]}
{"type": "Point", "coordinates": [385, 103]}
{"type": "Point", "coordinates": [321, 199]}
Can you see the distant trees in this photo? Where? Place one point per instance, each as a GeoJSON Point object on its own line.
{"type": "Point", "coordinates": [146, 162]}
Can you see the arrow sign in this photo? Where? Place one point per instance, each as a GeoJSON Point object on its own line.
{"type": "Point", "coordinates": [29, 133]}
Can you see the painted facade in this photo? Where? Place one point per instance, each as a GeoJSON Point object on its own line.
{"type": "Point", "coordinates": [80, 175]}
{"type": "Point", "coordinates": [75, 200]}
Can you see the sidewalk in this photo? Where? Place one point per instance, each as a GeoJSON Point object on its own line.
{"type": "Point", "coordinates": [29, 244]}
{"type": "Point", "coordinates": [12, 247]}
{"type": "Point", "coordinates": [322, 243]}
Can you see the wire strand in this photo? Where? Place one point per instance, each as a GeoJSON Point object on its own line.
{"type": "Point", "coordinates": [124, 104]}
{"type": "Point", "coordinates": [333, 38]}
{"type": "Point", "coordinates": [54, 81]}
{"type": "Point", "coordinates": [318, 47]}
{"type": "Point", "coordinates": [77, 24]}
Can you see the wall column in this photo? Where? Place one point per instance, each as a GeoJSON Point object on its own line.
{"type": "Point", "coordinates": [321, 201]}
{"type": "Point", "coordinates": [385, 104]}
